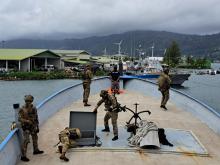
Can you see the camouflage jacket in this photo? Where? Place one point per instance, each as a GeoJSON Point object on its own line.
{"type": "Point", "coordinates": [64, 133]}
{"type": "Point", "coordinates": [87, 76]}
{"type": "Point", "coordinates": [28, 117]}
{"type": "Point", "coordinates": [164, 82]}
{"type": "Point", "coordinates": [110, 102]}
{"type": "Point", "coordinates": [68, 132]}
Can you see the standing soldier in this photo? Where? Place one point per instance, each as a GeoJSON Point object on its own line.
{"type": "Point", "coordinates": [111, 108]}
{"type": "Point", "coordinates": [164, 86]}
{"type": "Point", "coordinates": [87, 76]}
{"type": "Point", "coordinates": [29, 122]}
{"type": "Point", "coordinates": [115, 77]}
{"type": "Point", "coordinates": [67, 138]}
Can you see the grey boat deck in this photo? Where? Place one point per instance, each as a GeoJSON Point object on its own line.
{"type": "Point", "coordinates": [175, 118]}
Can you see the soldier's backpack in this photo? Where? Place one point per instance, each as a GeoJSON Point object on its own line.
{"type": "Point", "coordinates": [162, 83]}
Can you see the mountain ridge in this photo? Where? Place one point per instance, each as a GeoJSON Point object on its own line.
{"type": "Point", "coordinates": [190, 44]}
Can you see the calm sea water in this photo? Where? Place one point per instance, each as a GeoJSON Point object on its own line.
{"type": "Point", "coordinates": [203, 87]}
{"type": "Point", "coordinates": [13, 92]}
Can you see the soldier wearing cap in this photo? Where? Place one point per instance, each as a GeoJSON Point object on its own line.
{"type": "Point", "coordinates": [67, 138]}
{"type": "Point", "coordinates": [164, 86]}
{"type": "Point", "coordinates": [112, 113]}
{"type": "Point", "coordinates": [28, 119]}
{"type": "Point", "coordinates": [87, 76]}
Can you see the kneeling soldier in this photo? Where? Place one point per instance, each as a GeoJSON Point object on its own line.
{"type": "Point", "coordinates": [67, 138]}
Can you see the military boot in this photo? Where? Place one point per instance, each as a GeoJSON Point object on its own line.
{"type": "Point", "coordinates": [38, 152]}
{"type": "Point", "coordinates": [115, 138]}
{"type": "Point", "coordinates": [163, 106]}
{"type": "Point", "coordinates": [86, 104]}
{"type": "Point", "coordinates": [60, 148]}
{"type": "Point", "coordinates": [25, 159]}
{"type": "Point", "coordinates": [106, 129]}
{"type": "Point", "coordinates": [63, 157]}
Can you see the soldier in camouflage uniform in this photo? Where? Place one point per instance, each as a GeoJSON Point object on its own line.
{"type": "Point", "coordinates": [87, 76]}
{"type": "Point", "coordinates": [164, 86]}
{"type": "Point", "coordinates": [111, 108]}
{"type": "Point", "coordinates": [28, 118]}
{"type": "Point", "coordinates": [67, 138]}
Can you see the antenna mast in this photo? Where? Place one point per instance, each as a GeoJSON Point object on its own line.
{"type": "Point", "coordinates": [105, 51]}
{"type": "Point", "coordinates": [119, 48]}
{"type": "Point", "coordinates": [152, 53]}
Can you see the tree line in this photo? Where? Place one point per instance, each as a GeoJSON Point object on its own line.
{"type": "Point", "coordinates": [174, 59]}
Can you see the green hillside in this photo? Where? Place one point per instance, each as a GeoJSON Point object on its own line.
{"type": "Point", "coordinates": [195, 45]}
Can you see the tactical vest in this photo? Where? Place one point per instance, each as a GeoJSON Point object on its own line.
{"type": "Point", "coordinates": [108, 103]}
{"type": "Point", "coordinates": [163, 82]}
{"type": "Point", "coordinates": [29, 114]}
{"type": "Point", "coordinates": [84, 76]}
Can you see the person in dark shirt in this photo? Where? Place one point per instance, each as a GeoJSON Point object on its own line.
{"type": "Point", "coordinates": [115, 76]}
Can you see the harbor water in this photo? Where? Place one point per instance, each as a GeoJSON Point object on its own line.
{"type": "Point", "coordinates": [12, 92]}
{"type": "Point", "coordinates": [205, 88]}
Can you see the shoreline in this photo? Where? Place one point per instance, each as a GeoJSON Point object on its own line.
{"type": "Point", "coordinates": [23, 79]}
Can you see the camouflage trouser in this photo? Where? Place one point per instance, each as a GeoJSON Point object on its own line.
{"type": "Point", "coordinates": [165, 97]}
{"type": "Point", "coordinates": [26, 140]}
{"type": "Point", "coordinates": [114, 117]}
{"type": "Point", "coordinates": [86, 92]}
{"type": "Point", "coordinates": [115, 85]}
{"type": "Point", "coordinates": [67, 143]}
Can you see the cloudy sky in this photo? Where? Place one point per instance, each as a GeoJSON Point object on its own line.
{"type": "Point", "coordinates": [83, 18]}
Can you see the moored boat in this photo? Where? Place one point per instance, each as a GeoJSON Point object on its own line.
{"type": "Point", "coordinates": [153, 71]}
{"type": "Point", "coordinates": [176, 78]}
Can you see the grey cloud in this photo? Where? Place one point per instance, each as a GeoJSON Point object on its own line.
{"type": "Point", "coordinates": [23, 18]}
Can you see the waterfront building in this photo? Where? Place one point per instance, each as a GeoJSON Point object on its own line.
{"type": "Point", "coordinates": [28, 59]}
{"type": "Point", "coordinates": [70, 58]}
{"type": "Point", "coordinates": [41, 59]}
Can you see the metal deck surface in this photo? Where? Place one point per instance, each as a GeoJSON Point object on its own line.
{"type": "Point", "coordinates": [184, 141]}
{"type": "Point", "coordinates": [176, 119]}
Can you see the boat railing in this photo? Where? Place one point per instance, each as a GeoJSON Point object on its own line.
{"type": "Point", "coordinates": [10, 147]}
{"type": "Point", "coordinates": [198, 108]}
